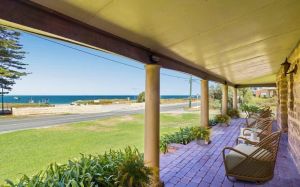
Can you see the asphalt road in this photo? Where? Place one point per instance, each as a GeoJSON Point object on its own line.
{"type": "Point", "coordinates": [7, 125]}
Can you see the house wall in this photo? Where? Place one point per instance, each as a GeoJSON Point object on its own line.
{"type": "Point", "coordinates": [288, 111]}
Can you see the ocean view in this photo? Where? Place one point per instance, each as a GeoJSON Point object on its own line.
{"type": "Point", "coordinates": [149, 93]}
{"type": "Point", "coordinates": [67, 99]}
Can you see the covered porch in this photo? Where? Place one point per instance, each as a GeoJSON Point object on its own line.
{"type": "Point", "coordinates": [237, 45]}
{"type": "Point", "coordinates": [194, 165]}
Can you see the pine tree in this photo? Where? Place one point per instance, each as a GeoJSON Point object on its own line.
{"type": "Point", "coordinates": [11, 56]}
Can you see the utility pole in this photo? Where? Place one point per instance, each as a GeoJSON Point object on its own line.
{"type": "Point", "coordinates": [190, 99]}
{"type": "Point", "coordinates": [2, 98]}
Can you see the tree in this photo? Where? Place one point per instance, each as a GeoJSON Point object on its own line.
{"type": "Point", "coordinates": [215, 94]}
{"type": "Point", "coordinates": [141, 97]}
{"type": "Point", "coordinates": [11, 56]}
{"type": "Point", "coordinates": [246, 95]}
{"type": "Point", "coordinates": [215, 91]}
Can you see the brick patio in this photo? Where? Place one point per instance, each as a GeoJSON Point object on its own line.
{"type": "Point", "coordinates": [195, 165]}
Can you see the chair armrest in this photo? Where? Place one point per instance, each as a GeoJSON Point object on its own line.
{"type": "Point", "coordinates": [247, 129]}
{"type": "Point", "coordinates": [232, 149]}
{"type": "Point", "coordinates": [247, 141]}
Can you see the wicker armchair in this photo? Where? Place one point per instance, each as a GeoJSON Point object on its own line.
{"type": "Point", "coordinates": [252, 162]}
{"type": "Point", "coordinates": [252, 119]}
{"type": "Point", "coordinates": [263, 128]}
{"type": "Point", "coordinates": [253, 122]}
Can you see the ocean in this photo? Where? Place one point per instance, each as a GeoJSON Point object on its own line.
{"type": "Point", "coordinates": [67, 99]}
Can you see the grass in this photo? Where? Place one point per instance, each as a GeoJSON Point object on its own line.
{"type": "Point", "coordinates": [29, 151]}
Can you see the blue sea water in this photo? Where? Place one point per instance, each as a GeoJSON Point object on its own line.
{"type": "Point", "coordinates": [67, 99]}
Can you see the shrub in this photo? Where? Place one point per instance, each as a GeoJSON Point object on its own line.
{"type": "Point", "coordinates": [250, 109]}
{"type": "Point", "coordinates": [222, 118]}
{"type": "Point", "coordinates": [201, 133]}
{"type": "Point", "coordinates": [141, 97]}
{"type": "Point", "coordinates": [183, 136]}
{"type": "Point", "coordinates": [214, 104]}
{"type": "Point", "coordinates": [114, 168]}
{"type": "Point", "coordinates": [212, 122]}
{"type": "Point", "coordinates": [233, 113]}
{"type": "Point", "coordinates": [264, 101]}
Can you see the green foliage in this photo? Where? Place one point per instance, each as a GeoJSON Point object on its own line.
{"type": "Point", "coordinates": [212, 122]}
{"type": "Point", "coordinates": [215, 95]}
{"type": "Point", "coordinates": [222, 118]}
{"type": "Point", "coordinates": [233, 113]}
{"type": "Point", "coordinates": [264, 101]}
{"type": "Point", "coordinates": [201, 133]}
{"type": "Point", "coordinates": [27, 151]}
{"type": "Point", "coordinates": [114, 168]}
{"type": "Point", "coordinates": [141, 97]}
{"type": "Point", "coordinates": [11, 56]}
{"type": "Point", "coordinates": [183, 136]}
{"type": "Point", "coordinates": [214, 104]}
{"type": "Point", "coordinates": [246, 95]}
{"type": "Point", "coordinates": [250, 109]}
{"type": "Point", "coordinates": [95, 102]}
{"type": "Point", "coordinates": [215, 92]}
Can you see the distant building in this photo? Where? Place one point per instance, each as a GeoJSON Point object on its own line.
{"type": "Point", "coordinates": [264, 92]}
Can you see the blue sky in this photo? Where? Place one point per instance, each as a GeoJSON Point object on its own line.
{"type": "Point", "coordinates": [58, 70]}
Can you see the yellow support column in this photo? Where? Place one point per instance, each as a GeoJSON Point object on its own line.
{"type": "Point", "coordinates": [224, 99]}
{"type": "Point", "coordinates": [204, 103]}
{"type": "Point", "coordinates": [235, 99]}
{"type": "Point", "coordinates": [152, 102]}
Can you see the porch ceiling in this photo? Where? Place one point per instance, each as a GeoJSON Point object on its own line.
{"type": "Point", "coordinates": [241, 42]}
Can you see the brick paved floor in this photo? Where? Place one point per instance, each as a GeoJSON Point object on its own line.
{"type": "Point", "coordinates": [195, 165]}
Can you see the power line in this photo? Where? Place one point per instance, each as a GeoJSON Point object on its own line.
{"type": "Point", "coordinates": [88, 53]}
{"type": "Point", "coordinates": [99, 56]}
{"type": "Point", "coordinates": [174, 76]}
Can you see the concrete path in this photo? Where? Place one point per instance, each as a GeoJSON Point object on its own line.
{"type": "Point", "coordinates": [7, 125]}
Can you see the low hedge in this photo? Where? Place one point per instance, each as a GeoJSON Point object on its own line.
{"type": "Point", "coordinates": [114, 168]}
{"type": "Point", "coordinates": [222, 118]}
{"type": "Point", "coordinates": [250, 109]}
{"type": "Point", "coordinates": [183, 136]}
{"type": "Point", "coordinates": [233, 113]}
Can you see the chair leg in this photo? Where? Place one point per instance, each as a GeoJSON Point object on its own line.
{"type": "Point", "coordinates": [260, 182]}
{"type": "Point", "coordinates": [232, 179]}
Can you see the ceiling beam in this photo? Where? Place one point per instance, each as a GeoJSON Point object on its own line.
{"type": "Point", "coordinates": [256, 85]}
{"type": "Point", "coordinates": [44, 21]}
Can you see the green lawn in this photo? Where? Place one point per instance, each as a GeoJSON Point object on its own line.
{"type": "Point", "coordinates": [29, 151]}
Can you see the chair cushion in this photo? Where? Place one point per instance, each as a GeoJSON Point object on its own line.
{"type": "Point", "coordinates": [233, 158]}
{"type": "Point", "coordinates": [247, 132]}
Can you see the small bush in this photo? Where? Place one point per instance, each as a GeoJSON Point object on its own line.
{"type": "Point", "coordinates": [264, 101]}
{"type": "Point", "coordinates": [250, 109]}
{"type": "Point", "coordinates": [212, 122]}
{"type": "Point", "coordinates": [141, 97]}
{"type": "Point", "coordinates": [201, 133]}
{"type": "Point", "coordinates": [222, 118]}
{"type": "Point", "coordinates": [233, 113]}
{"type": "Point", "coordinates": [114, 168]}
{"type": "Point", "coordinates": [95, 102]}
{"type": "Point", "coordinates": [214, 104]}
{"type": "Point", "coordinates": [183, 136]}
